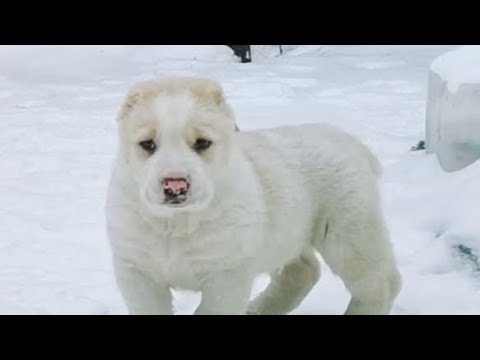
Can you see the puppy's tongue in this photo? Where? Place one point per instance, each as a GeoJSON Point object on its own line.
{"type": "Point", "coordinates": [175, 186]}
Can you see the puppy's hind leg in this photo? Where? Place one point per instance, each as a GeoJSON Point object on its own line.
{"type": "Point", "coordinates": [288, 288]}
{"type": "Point", "coordinates": [362, 256]}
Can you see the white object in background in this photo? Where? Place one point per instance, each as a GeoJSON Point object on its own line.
{"type": "Point", "coordinates": [453, 108]}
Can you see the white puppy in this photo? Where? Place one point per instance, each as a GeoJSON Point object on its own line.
{"type": "Point", "coordinates": [195, 205]}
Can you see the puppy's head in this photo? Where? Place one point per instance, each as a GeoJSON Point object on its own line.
{"type": "Point", "coordinates": [176, 136]}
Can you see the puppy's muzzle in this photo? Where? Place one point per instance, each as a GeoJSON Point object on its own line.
{"type": "Point", "coordinates": [176, 189]}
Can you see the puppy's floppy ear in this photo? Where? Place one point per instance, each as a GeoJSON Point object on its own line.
{"type": "Point", "coordinates": [209, 91]}
{"type": "Point", "coordinates": [134, 96]}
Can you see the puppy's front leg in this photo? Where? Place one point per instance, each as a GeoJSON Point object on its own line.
{"type": "Point", "coordinates": [225, 293]}
{"type": "Point", "coordinates": [142, 295]}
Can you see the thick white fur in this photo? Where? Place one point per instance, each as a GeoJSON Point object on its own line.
{"type": "Point", "coordinates": [261, 202]}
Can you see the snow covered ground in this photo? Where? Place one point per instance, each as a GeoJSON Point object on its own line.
{"type": "Point", "coordinates": [58, 136]}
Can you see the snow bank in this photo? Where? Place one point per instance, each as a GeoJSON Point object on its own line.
{"type": "Point", "coordinates": [50, 62]}
{"type": "Point", "coordinates": [55, 62]}
{"type": "Point", "coordinates": [437, 202]}
{"type": "Point", "coordinates": [433, 219]}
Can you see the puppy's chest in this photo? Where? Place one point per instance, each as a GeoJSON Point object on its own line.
{"type": "Point", "coordinates": [181, 262]}
{"type": "Point", "coordinates": [171, 261]}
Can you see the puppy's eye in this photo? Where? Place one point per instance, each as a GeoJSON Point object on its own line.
{"type": "Point", "coordinates": [149, 146]}
{"type": "Point", "coordinates": [202, 145]}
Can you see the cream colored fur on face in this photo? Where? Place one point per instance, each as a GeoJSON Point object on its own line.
{"type": "Point", "coordinates": [261, 202]}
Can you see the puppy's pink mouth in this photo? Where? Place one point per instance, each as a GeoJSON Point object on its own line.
{"type": "Point", "coordinates": [175, 190]}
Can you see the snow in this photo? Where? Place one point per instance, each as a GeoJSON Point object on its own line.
{"type": "Point", "coordinates": [453, 110]}
{"type": "Point", "coordinates": [262, 52]}
{"type": "Point", "coordinates": [58, 137]}
{"type": "Point", "coordinates": [460, 66]}
{"type": "Point", "coordinates": [77, 62]}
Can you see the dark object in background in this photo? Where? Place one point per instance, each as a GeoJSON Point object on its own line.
{"type": "Point", "coordinates": [419, 146]}
{"type": "Point", "coordinates": [244, 52]}
{"type": "Point", "coordinates": [468, 254]}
